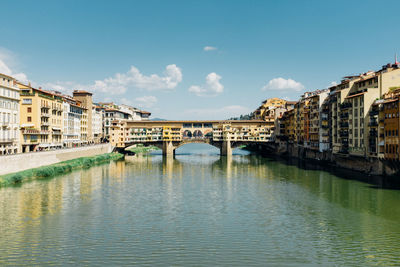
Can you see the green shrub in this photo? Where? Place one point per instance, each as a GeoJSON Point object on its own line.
{"type": "Point", "coordinates": [57, 169]}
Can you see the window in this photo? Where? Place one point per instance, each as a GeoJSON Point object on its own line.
{"type": "Point", "coordinates": [29, 119]}
{"type": "Point", "coordinates": [27, 101]}
{"type": "Point", "coordinates": [29, 109]}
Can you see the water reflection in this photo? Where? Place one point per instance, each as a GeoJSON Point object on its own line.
{"type": "Point", "coordinates": [198, 209]}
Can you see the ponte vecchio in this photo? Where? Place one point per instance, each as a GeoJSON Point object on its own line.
{"type": "Point", "coordinates": [169, 135]}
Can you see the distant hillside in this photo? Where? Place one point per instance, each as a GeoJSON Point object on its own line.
{"type": "Point", "coordinates": [158, 119]}
{"type": "Point", "coordinates": [243, 117]}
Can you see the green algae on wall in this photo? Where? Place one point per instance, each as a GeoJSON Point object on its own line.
{"type": "Point", "coordinates": [57, 168]}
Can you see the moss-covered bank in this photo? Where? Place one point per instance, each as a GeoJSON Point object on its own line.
{"type": "Point", "coordinates": [56, 169]}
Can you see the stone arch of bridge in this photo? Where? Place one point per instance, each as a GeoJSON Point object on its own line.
{"type": "Point", "coordinates": [169, 147]}
{"type": "Point", "coordinates": [197, 141]}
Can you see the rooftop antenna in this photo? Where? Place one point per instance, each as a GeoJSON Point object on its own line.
{"type": "Point", "coordinates": [395, 59]}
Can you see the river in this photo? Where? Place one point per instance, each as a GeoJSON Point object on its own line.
{"type": "Point", "coordinates": [200, 210]}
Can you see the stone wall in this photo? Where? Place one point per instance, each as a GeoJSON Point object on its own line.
{"type": "Point", "coordinates": [371, 166]}
{"type": "Point", "coordinates": [20, 162]}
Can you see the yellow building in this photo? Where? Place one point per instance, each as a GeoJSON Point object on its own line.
{"type": "Point", "coordinates": [262, 112]}
{"type": "Point", "coordinates": [171, 133]}
{"type": "Point", "coordinates": [41, 119]}
{"type": "Point", "coordinates": [84, 126]}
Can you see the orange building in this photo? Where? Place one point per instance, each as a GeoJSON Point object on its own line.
{"type": "Point", "coordinates": [391, 110]}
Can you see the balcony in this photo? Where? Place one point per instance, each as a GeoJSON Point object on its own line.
{"type": "Point", "coordinates": [346, 105]}
{"type": "Point", "coordinates": [344, 134]}
{"type": "Point", "coordinates": [30, 131]}
{"type": "Point", "coordinates": [344, 115]}
{"type": "Point", "coordinates": [23, 93]}
{"type": "Point", "coordinates": [373, 123]}
{"type": "Point", "coordinates": [374, 113]}
{"type": "Point", "coordinates": [45, 115]}
{"type": "Point", "coordinates": [344, 124]}
{"type": "Point", "coordinates": [373, 133]}
{"type": "Point", "coordinates": [7, 140]}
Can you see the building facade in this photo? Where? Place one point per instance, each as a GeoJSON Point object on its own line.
{"type": "Point", "coordinates": [9, 116]}
{"type": "Point", "coordinates": [85, 98]}
{"type": "Point", "coordinates": [41, 119]}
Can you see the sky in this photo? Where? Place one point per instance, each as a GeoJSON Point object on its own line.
{"type": "Point", "coordinates": [195, 59]}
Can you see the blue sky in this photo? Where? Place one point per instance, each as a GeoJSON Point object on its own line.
{"type": "Point", "coordinates": [151, 54]}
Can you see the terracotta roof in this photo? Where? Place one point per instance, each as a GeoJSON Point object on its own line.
{"type": "Point", "coordinates": [390, 101]}
{"type": "Point", "coordinates": [12, 78]}
{"type": "Point", "coordinates": [82, 92]}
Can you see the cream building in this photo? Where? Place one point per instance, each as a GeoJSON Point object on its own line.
{"type": "Point", "coordinates": [9, 115]}
{"type": "Point", "coordinates": [97, 123]}
{"type": "Point", "coordinates": [72, 122]}
{"type": "Point", "coordinates": [351, 121]}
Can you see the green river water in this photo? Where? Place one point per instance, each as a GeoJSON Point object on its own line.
{"type": "Point", "coordinates": [200, 209]}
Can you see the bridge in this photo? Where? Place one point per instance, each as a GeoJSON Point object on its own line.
{"type": "Point", "coordinates": [169, 135]}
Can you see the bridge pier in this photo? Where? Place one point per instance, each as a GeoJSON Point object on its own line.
{"type": "Point", "coordinates": [226, 148]}
{"type": "Point", "coordinates": [168, 148]}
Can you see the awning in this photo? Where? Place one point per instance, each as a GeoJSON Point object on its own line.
{"type": "Point", "coordinates": [27, 125]}
{"type": "Point", "coordinates": [56, 128]}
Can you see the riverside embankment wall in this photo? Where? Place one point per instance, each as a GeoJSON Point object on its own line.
{"type": "Point", "coordinates": [371, 166]}
{"type": "Point", "coordinates": [20, 162]}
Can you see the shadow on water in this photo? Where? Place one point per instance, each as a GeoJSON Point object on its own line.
{"type": "Point", "coordinates": [374, 181]}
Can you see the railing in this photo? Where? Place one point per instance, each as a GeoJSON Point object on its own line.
{"type": "Point", "coordinates": [346, 105]}
{"type": "Point", "coordinates": [7, 140]}
{"type": "Point", "coordinates": [374, 112]}
{"type": "Point", "coordinates": [45, 115]}
{"type": "Point", "coordinates": [373, 123]}
{"type": "Point", "coordinates": [27, 93]}
{"type": "Point", "coordinates": [373, 133]}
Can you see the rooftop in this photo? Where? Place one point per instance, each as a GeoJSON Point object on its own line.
{"type": "Point", "coordinates": [81, 92]}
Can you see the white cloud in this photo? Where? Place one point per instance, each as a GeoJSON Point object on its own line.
{"type": "Point", "coordinates": [332, 84]}
{"type": "Point", "coordinates": [216, 113]}
{"type": "Point", "coordinates": [212, 87]}
{"type": "Point", "coordinates": [66, 87]}
{"type": "Point", "coordinates": [121, 83]}
{"type": "Point", "coordinates": [209, 48]}
{"type": "Point", "coordinates": [283, 84]}
{"type": "Point", "coordinates": [146, 101]}
{"type": "Point", "coordinates": [142, 102]}
{"type": "Point", "coordinates": [5, 58]}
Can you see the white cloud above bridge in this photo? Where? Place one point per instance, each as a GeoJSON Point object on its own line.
{"type": "Point", "coordinates": [212, 87]}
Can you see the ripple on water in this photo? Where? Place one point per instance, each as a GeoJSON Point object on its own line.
{"type": "Point", "coordinates": [199, 210]}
